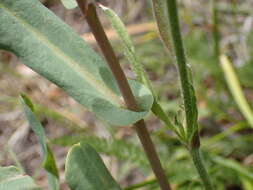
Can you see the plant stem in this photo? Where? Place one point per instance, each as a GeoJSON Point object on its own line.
{"type": "Point", "coordinates": [181, 62]}
{"type": "Point", "coordinates": [142, 132]}
{"type": "Point", "coordinates": [217, 73]}
{"type": "Point", "coordinates": [197, 160]}
{"type": "Point", "coordinates": [188, 96]}
{"type": "Point", "coordinates": [186, 85]}
{"type": "Point", "coordinates": [215, 30]}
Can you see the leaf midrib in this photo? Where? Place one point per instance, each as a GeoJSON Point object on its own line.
{"type": "Point", "coordinates": [111, 96]}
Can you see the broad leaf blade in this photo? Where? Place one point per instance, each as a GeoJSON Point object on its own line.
{"type": "Point", "coordinates": [48, 158]}
{"type": "Point", "coordinates": [51, 48]}
{"type": "Point", "coordinates": [12, 179]}
{"type": "Point", "coordinates": [86, 170]}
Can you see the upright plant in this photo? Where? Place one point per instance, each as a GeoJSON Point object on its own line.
{"type": "Point", "coordinates": [89, 10]}
{"type": "Point", "coordinates": [77, 69]}
{"type": "Point", "coordinates": [172, 28]}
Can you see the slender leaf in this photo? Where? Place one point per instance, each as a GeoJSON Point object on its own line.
{"type": "Point", "coordinates": [48, 158]}
{"type": "Point", "coordinates": [119, 27]}
{"type": "Point", "coordinates": [136, 65]}
{"type": "Point", "coordinates": [85, 170]}
{"type": "Point", "coordinates": [51, 48]}
{"type": "Point", "coordinates": [159, 8]}
{"type": "Point", "coordinates": [12, 179]}
{"type": "Point", "coordinates": [234, 165]}
{"type": "Point", "coordinates": [246, 183]}
{"type": "Point", "coordinates": [235, 89]}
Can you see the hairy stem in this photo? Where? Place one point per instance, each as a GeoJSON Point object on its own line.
{"type": "Point", "coordinates": [188, 96]}
{"type": "Point", "coordinates": [91, 16]}
{"type": "Point", "coordinates": [181, 63]}
{"type": "Point", "coordinates": [185, 78]}
{"type": "Point", "coordinates": [197, 160]}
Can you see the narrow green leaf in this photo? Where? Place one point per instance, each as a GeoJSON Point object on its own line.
{"type": "Point", "coordinates": [194, 113]}
{"type": "Point", "coordinates": [120, 28]}
{"type": "Point", "coordinates": [246, 183]}
{"type": "Point", "coordinates": [48, 159]}
{"type": "Point", "coordinates": [160, 113]}
{"type": "Point", "coordinates": [51, 48]}
{"type": "Point", "coordinates": [86, 170]}
{"type": "Point", "coordinates": [136, 65]}
{"type": "Point", "coordinates": [69, 4]}
{"type": "Point", "coordinates": [179, 122]}
{"type": "Point", "coordinates": [12, 179]}
{"type": "Point", "coordinates": [161, 16]}
{"type": "Point", "coordinates": [236, 90]}
{"type": "Point", "coordinates": [234, 165]}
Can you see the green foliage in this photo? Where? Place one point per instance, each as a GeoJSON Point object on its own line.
{"type": "Point", "coordinates": [122, 150]}
{"type": "Point", "coordinates": [136, 65]}
{"type": "Point", "coordinates": [12, 179]}
{"type": "Point", "coordinates": [246, 183]}
{"type": "Point", "coordinates": [224, 152]}
{"type": "Point", "coordinates": [236, 90]}
{"type": "Point", "coordinates": [173, 29]}
{"type": "Point", "coordinates": [86, 170]}
{"type": "Point", "coordinates": [66, 60]}
{"type": "Point", "coordinates": [48, 159]}
{"type": "Point", "coordinates": [191, 112]}
{"type": "Point", "coordinates": [119, 27]}
{"type": "Point", "coordinates": [159, 8]}
{"type": "Point", "coordinates": [231, 164]}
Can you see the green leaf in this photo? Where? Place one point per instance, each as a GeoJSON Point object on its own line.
{"type": "Point", "coordinates": [85, 170]}
{"type": "Point", "coordinates": [12, 179]}
{"type": "Point", "coordinates": [129, 50]}
{"type": "Point", "coordinates": [48, 159]}
{"type": "Point", "coordinates": [234, 165]}
{"type": "Point", "coordinates": [236, 89]}
{"type": "Point", "coordinates": [136, 65]}
{"type": "Point", "coordinates": [161, 114]}
{"type": "Point", "coordinates": [159, 9]}
{"type": "Point", "coordinates": [51, 48]}
{"type": "Point", "coordinates": [246, 183]}
{"type": "Point", "coordinates": [69, 4]}
{"type": "Point", "coordinates": [121, 149]}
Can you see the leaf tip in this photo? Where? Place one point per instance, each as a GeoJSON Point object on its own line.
{"type": "Point", "coordinates": [25, 100]}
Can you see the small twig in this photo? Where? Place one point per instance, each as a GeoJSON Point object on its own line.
{"type": "Point", "coordinates": [112, 61]}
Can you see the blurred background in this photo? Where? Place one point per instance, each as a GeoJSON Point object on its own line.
{"type": "Point", "coordinates": [227, 137]}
